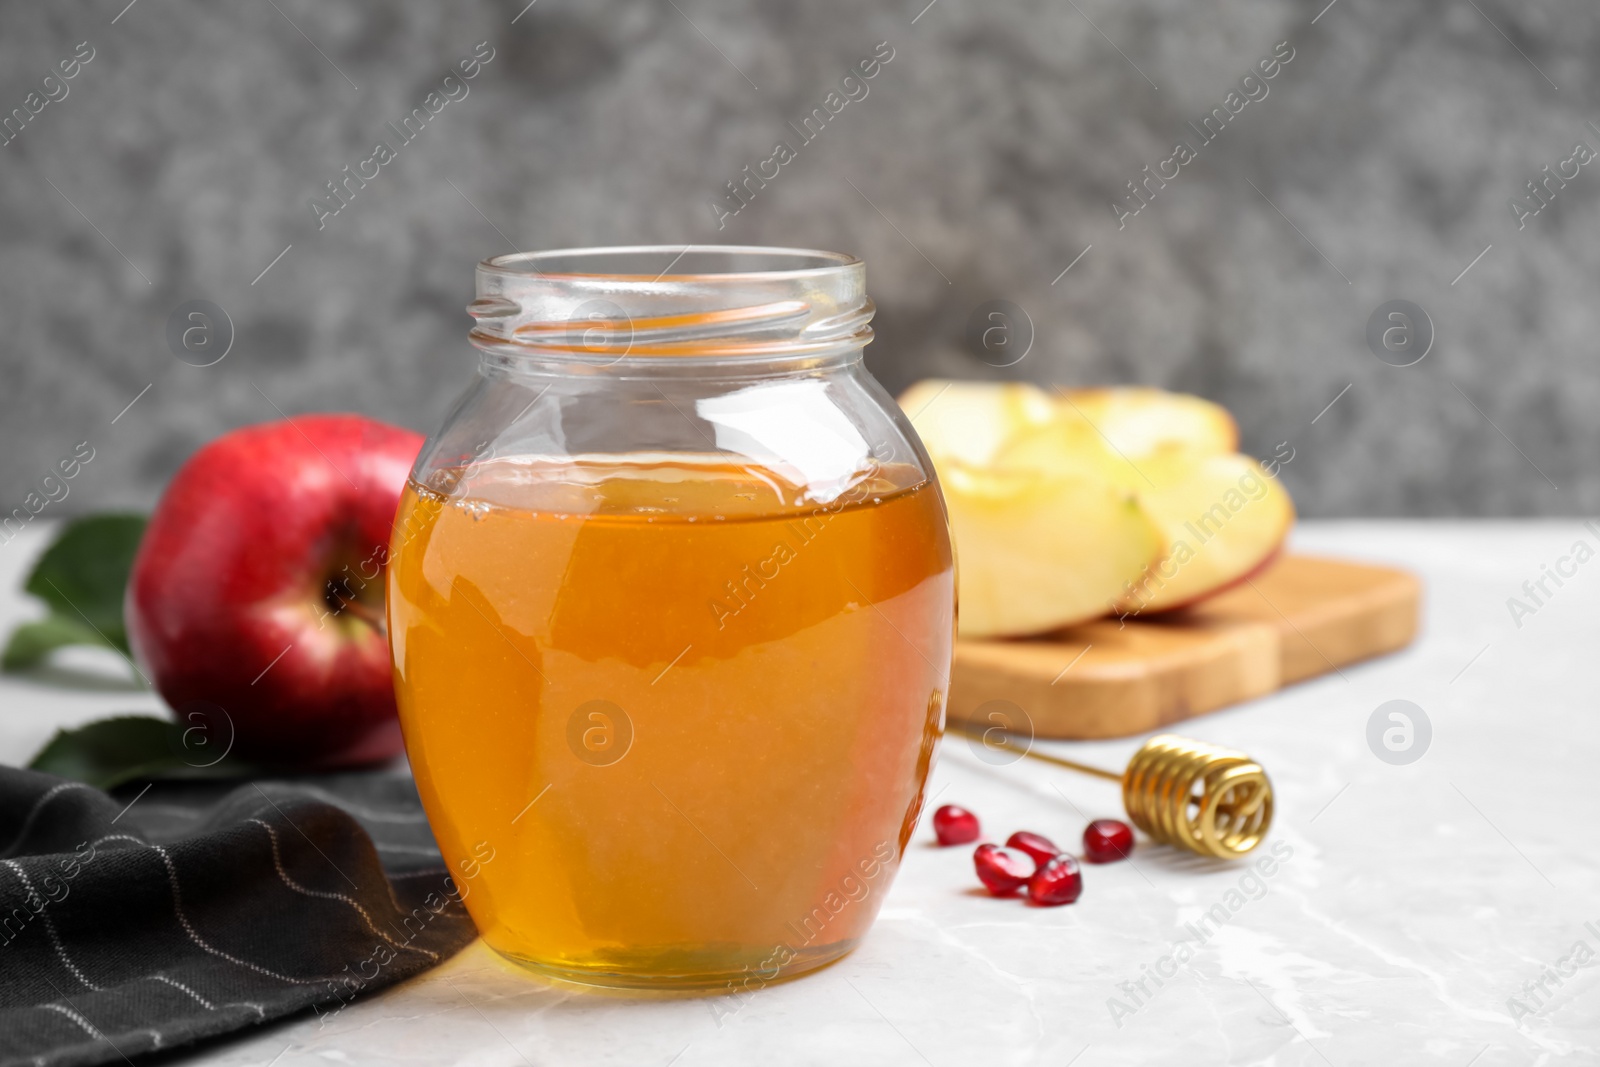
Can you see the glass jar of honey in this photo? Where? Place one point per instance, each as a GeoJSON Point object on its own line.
{"type": "Point", "coordinates": [671, 602]}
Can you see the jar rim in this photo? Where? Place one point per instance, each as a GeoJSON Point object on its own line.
{"type": "Point", "coordinates": [811, 262]}
{"type": "Point", "coordinates": [718, 302]}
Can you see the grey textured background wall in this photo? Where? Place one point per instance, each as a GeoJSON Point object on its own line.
{"type": "Point", "coordinates": [985, 159]}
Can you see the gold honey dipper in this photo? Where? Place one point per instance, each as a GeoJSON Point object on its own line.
{"type": "Point", "coordinates": [1201, 797]}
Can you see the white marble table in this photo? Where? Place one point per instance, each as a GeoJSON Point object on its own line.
{"type": "Point", "coordinates": [1415, 903]}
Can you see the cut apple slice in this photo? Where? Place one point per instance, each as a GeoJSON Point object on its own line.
{"type": "Point", "coordinates": [1038, 551]}
{"type": "Point", "coordinates": [1224, 518]}
{"type": "Point", "coordinates": [971, 421]}
{"type": "Point", "coordinates": [1067, 445]}
{"type": "Point", "coordinates": [1138, 421]}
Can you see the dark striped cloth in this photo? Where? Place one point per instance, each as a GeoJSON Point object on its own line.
{"type": "Point", "coordinates": [204, 908]}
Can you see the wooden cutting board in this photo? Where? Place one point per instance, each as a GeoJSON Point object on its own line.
{"type": "Point", "coordinates": [1303, 617]}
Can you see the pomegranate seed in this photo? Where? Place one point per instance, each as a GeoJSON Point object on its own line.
{"type": "Point", "coordinates": [1041, 848]}
{"type": "Point", "coordinates": [1059, 881]}
{"type": "Point", "coordinates": [1106, 840]}
{"type": "Point", "coordinates": [1001, 870]}
{"type": "Point", "coordinates": [955, 826]}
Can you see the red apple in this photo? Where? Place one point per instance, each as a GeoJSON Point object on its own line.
{"type": "Point", "coordinates": [258, 589]}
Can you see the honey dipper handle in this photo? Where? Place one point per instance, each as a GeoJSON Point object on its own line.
{"type": "Point", "coordinates": [1069, 764]}
{"type": "Point", "coordinates": [998, 739]}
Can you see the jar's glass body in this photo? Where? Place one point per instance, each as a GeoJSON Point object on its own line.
{"type": "Point", "coordinates": [671, 601]}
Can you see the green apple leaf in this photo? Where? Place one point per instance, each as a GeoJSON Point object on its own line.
{"type": "Point", "coordinates": [32, 641]}
{"type": "Point", "coordinates": [82, 576]}
{"type": "Point", "coordinates": [127, 748]}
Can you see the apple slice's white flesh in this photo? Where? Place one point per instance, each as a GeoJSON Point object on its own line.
{"type": "Point", "coordinates": [971, 421]}
{"type": "Point", "coordinates": [1037, 551]}
{"type": "Point", "coordinates": [1224, 518]}
{"type": "Point", "coordinates": [1139, 421]}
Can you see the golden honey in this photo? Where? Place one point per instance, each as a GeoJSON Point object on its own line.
{"type": "Point", "coordinates": [687, 708]}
